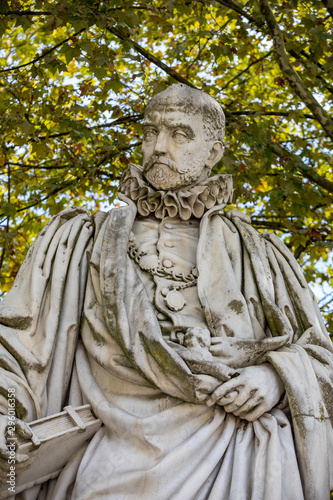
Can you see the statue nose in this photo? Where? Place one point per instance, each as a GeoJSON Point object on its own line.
{"type": "Point", "coordinates": [161, 145]}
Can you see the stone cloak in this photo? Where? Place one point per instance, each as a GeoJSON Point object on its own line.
{"type": "Point", "coordinates": [255, 300]}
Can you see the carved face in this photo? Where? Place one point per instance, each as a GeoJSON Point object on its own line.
{"type": "Point", "coordinates": [176, 150]}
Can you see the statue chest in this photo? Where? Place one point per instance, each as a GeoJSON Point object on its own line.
{"type": "Point", "coordinates": [165, 257]}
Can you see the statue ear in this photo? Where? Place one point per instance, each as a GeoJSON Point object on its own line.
{"type": "Point", "coordinates": [215, 154]}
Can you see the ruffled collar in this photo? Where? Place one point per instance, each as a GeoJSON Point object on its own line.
{"type": "Point", "coordinates": [184, 202]}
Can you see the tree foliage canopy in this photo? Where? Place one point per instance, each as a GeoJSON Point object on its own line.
{"type": "Point", "coordinates": [75, 77]}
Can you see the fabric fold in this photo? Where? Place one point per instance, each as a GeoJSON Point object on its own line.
{"type": "Point", "coordinates": [187, 202]}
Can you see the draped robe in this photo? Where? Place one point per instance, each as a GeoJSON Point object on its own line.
{"type": "Point", "coordinates": [78, 327]}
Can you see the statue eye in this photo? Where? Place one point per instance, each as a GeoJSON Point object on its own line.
{"type": "Point", "coordinates": [149, 134]}
{"type": "Point", "coordinates": [180, 136]}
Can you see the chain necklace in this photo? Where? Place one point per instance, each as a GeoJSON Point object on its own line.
{"type": "Point", "coordinates": [150, 263]}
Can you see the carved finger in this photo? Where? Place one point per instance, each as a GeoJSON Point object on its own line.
{"type": "Point", "coordinates": [245, 408]}
{"type": "Point", "coordinates": [217, 349]}
{"type": "Point", "coordinates": [216, 340]}
{"type": "Point", "coordinates": [23, 458]}
{"type": "Point", "coordinates": [241, 400]}
{"type": "Point", "coordinates": [232, 385]}
{"type": "Point", "coordinates": [215, 396]}
{"type": "Point", "coordinates": [222, 390]}
{"type": "Point", "coordinates": [228, 398]}
{"type": "Point", "coordinates": [3, 475]}
{"type": "Point", "coordinates": [23, 462]}
{"type": "Point", "coordinates": [4, 453]}
{"type": "Point", "coordinates": [25, 432]}
{"type": "Point", "coordinates": [23, 429]}
{"type": "Point", "coordinates": [254, 414]}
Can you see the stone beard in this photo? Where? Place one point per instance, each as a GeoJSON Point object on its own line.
{"type": "Point", "coordinates": [195, 339]}
{"type": "Point", "coordinates": [160, 173]}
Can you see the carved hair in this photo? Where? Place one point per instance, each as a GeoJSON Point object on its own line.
{"type": "Point", "coordinates": [184, 98]}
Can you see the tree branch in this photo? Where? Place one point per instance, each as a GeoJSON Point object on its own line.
{"type": "Point", "coordinates": [305, 170]}
{"type": "Point", "coordinates": [279, 225]}
{"type": "Point", "coordinates": [39, 167]}
{"type": "Point", "coordinates": [64, 167]}
{"type": "Point", "coordinates": [290, 74]}
{"type": "Point", "coordinates": [261, 224]}
{"type": "Point", "coordinates": [329, 6]}
{"type": "Point", "coordinates": [2, 256]}
{"type": "Point", "coordinates": [329, 300]}
{"type": "Point", "coordinates": [138, 117]}
{"type": "Point", "coordinates": [308, 58]}
{"type": "Point", "coordinates": [308, 172]}
{"type": "Point", "coordinates": [201, 49]}
{"type": "Point", "coordinates": [263, 29]}
{"type": "Point", "coordinates": [117, 121]}
{"type": "Point", "coordinates": [150, 57]}
{"type": "Point", "coordinates": [45, 53]}
{"type": "Point", "coordinates": [270, 113]}
{"type": "Point", "coordinates": [26, 13]}
{"type": "Point", "coordinates": [246, 69]}
{"type": "Point", "coordinates": [236, 8]}
{"type": "Point", "coordinates": [51, 193]}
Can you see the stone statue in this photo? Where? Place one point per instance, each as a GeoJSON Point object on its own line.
{"type": "Point", "coordinates": [195, 339]}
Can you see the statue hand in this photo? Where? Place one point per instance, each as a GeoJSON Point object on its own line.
{"type": "Point", "coordinates": [9, 458]}
{"type": "Point", "coordinates": [252, 393]}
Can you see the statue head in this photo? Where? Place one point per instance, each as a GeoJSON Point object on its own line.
{"type": "Point", "coordinates": [183, 133]}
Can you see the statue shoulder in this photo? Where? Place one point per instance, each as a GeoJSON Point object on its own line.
{"type": "Point", "coordinates": [68, 214]}
{"type": "Point", "coordinates": [71, 221]}
{"type": "Point", "coordinates": [264, 242]}
{"type": "Point", "coordinates": [232, 214]}
{"type": "Point", "coordinates": [77, 217]}
{"type": "Point", "coordinates": [230, 219]}
{"type": "Point", "coordinates": [64, 243]}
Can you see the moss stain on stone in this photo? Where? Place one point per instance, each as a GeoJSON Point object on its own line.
{"type": "Point", "coordinates": [236, 306]}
